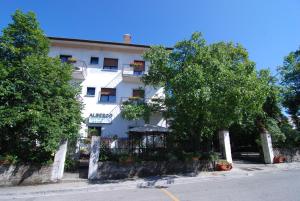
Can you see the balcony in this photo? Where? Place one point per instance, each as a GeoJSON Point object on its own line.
{"type": "Point", "coordinates": [79, 70]}
{"type": "Point", "coordinates": [132, 73]}
{"type": "Point", "coordinates": [157, 103]}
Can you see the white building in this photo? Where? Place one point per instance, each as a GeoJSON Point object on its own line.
{"type": "Point", "coordinates": [108, 73]}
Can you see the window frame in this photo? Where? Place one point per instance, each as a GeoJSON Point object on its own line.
{"type": "Point", "coordinates": [93, 58]}
{"type": "Point", "coordinates": [67, 56]}
{"type": "Point", "coordinates": [111, 68]}
{"type": "Point", "coordinates": [108, 98]}
{"type": "Point", "coordinates": [89, 95]}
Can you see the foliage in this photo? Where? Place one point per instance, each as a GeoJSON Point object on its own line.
{"type": "Point", "coordinates": [92, 132]}
{"type": "Point", "coordinates": [276, 133]}
{"type": "Point", "coordinates": [71, 165]}
{"type": "Point", "coordinates": [137, 108]}
{"type": "Point", "coordinates": [292, 135]}
{"type": "Point", "coordinates": [209, 87]}
{"type": "Point", "coordinates": [290, 79]}
{"type": "Point", "coordinates": [38, 107]}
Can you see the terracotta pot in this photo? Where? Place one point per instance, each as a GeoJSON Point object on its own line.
{"type": "Point", "coordinates": [195, 158]}
{"type": "Point", "coordinates": [279, 159]}
{"type": "Point", "coordinates": [224, 167]}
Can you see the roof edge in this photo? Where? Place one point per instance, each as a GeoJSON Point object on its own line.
{"type": "Point", "coordinates": [101, 42]}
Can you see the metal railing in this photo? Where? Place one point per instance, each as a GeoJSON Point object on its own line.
{"type": "Point", "coordinates": [80, 66]}
{"type": "Point", "coordinates": [128, 70]}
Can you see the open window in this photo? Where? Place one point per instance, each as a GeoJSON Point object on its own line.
{"type": "Point", "coordinates": [138, 67]}
{"type": "Point", "coordinates": [138, 93]}
{"type": "Point", "coordinates": [108, 95]}
{"type": "Point", "coordinates": [110, 64]}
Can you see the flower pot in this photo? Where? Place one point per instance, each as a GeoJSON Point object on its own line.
{"type": "Point", "coordinates": [195, 158]}
{"type": "Point", "coordinates": [224, 167]}
{"type": "Point", "coordinates": [279, 159]}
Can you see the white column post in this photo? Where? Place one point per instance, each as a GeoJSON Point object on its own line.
{"type": "Point", "coordinates": [94, 157]}
{"type": "Point", "coordinates": [266, 142]}
{"type": "Point", "coordinates": [59, 161]}
{"type": "Point", "coordinates": [224, 140]}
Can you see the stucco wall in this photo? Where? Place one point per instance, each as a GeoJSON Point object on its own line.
{"type": "Point", "coordinates": [115, 170]}
{"type": "Point", "coordinates": [99, 78]}
{"type": "Point", "coordinates": [291, 154]}
{"type": "Point", "coordinates": [24, 175]}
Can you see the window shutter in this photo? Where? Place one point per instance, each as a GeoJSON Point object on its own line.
{"type": "Point", "coordinates": [108, 91]}
{"type": "Point", "coordinates": [110, 62]}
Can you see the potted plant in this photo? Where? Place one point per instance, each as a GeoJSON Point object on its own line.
{"type": "Point", "coordinates": [127, 159]}
{"type": "Point", "coordinates": [93, 132]}
{"type": "Point", "coordinates": [279, 159]}
{"type": "Point", "coordinates": [72, 60]}
{"type": "Point", "coordinates": [134, 64]}
{"type": "Point", "coordinates": [223, 165]}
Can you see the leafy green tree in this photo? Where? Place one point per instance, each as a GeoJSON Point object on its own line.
{"type": "Point", "coordinates": [290, 79]}
{"type": "Point", "coordinates": [38, 105]}
{"type": "Point", "coordinates": [208, 87]}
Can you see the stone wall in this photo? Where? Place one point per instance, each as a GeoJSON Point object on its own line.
{"type": "Point", "coordinates": [291, 154]}
{"type": "Point", "coordinates": [115, 170]}
{"type": "Point", "coordinates": [24, 175]}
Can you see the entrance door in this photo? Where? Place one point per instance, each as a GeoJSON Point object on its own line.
{"type": "Point", "coordinates": [94, 130]}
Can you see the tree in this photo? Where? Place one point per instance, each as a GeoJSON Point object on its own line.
{"type": "Point", "coordinates": [290, 80]}
{"type": "Point", "coordinates": [208, 87]}
{"type": "Point", "coordinates": [38, 107]}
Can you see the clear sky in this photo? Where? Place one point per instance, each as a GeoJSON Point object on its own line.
{"type": "Point", "coordinates": [269, 29]}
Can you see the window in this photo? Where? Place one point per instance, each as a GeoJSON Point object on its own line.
{"type": "Point", "coordinates": [108, 95]}
{"type": "Point", "coordinates": [140, 93]}
{"type": "Point", "coordinates": [110, 64]}
{"type": "Point", "coordinates": [94, 60]}
{"type": "Point", "coordinates": [139, 67]}
{"type": "Point", "coordinates": [90, 91]}
{"type": "Point", "coordinates": [65, 58]}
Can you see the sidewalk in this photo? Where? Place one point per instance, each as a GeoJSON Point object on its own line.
{"type": "Point", "coordinates": [239, 170]}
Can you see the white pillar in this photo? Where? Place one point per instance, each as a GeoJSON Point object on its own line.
{"type": "Point", "coordinates": [224, 140]}
{"type": "Point", "coordinates": [94, 157]}
{"type": "Point", "coordinates": [266, 142]}
{"type": "Point", "coordinates": [59, 161]}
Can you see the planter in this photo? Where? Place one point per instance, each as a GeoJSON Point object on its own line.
{"type": "Point", "coordinates": [224, 167]}
{"type": "Point", "coordinates": [195, 158]}
{"type": "Point", "coordinates": [279, 159]}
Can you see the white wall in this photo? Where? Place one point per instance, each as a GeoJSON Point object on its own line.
{"type": "Point", "coordinates": [99, 78]}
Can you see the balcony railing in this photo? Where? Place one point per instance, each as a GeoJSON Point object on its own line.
{"type": "Point", "coordinates": [131, 73]}
{"type": "Point", "coordinates": [156, 102]}
{"type": "Point", "coordinates": [79, 70]}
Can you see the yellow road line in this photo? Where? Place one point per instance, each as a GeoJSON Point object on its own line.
{"type": "Point", "coordinates": [169, 194]}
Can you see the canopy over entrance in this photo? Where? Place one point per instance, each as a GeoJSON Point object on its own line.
{"type": "Point", "coordinates": [147, 138]}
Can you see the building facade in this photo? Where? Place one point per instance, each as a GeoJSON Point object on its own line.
{"type": "Point", "coordinates": [108, 73]}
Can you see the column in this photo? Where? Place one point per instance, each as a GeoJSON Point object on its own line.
{"type": "Point", "coordinates": [94, 157]}
{"type": "Point", "coordinates": [225, 147]}
{"type": "Point", "coordinates": [266, 142]}
{"type": "Point", "coordinates": [59, 161]}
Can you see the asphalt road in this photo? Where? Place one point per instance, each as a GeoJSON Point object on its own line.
{"type": "Point", "coordinates": [266, 186]}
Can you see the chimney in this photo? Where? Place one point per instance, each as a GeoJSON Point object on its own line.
{"type": "Point", "coordinates": [127, 38]}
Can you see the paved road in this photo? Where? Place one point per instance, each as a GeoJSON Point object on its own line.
{"type": "Point", "coordinates": [283, 185]}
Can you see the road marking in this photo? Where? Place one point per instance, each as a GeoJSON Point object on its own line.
{"type": "Point", "coordinates": [169, 194]}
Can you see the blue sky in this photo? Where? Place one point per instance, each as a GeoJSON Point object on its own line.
{"type": "Point", "coordinates": [269, 29]}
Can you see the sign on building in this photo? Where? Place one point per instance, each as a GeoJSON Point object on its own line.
{"type": "Point", "coordinates": [100, 118]}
